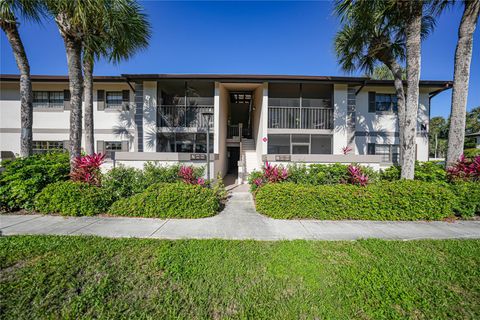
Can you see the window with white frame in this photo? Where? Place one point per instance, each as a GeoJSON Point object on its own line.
{"type": "Point", "coordinates": [48, 99]}
{"type": "Point", "coordinates": [389, 152]}
{"type": "Point", "coordinates": [40, 147]}
{"type": "Point", "coordinates": [114, 99]}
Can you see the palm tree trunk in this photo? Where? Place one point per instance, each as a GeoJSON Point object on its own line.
{"type": "Point", "coordinates": [400, 92]}
{"type": "Point", "coordinates": [74, 61]}
{"type": "Point", "coordinates": [88, 87]}
{"type": "Point", "coordinates": [413, 43]}
{"type": "Point", "coordinates": [26, 96]}
{"type": "Point", "coordinates": [463, 58]}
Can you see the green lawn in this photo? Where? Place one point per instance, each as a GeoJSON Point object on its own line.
{"type": "Point", "coordinates": [74, 277]}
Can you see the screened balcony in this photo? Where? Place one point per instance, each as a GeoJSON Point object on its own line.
{"type": "Point", "coordinates": [183, 103]}
{"type": "Point", "coordinates": [300, 106]}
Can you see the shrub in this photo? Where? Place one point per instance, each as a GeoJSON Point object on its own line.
{"type": "Point", "coordinates": [356, 176]}
{"type": "Point", "coordinates": [255, 179]}
{"type": "Point", "coordinates": [320, 174]}
{"type": "Point", "coordinates": [169, 200]}
{"type": "Point", "coordinates": [23, 178]}
{"type": "Point", "coordinates": [122, 182]}
{"type": "Point", "coordinates": [188, 176]}
{"type": "Point", "coordinates": [468, 198]}
{"type": "Point", "coordinates": [465, 169]}
{"type": "Point", "coordinates": [219, 189]}
{"type": "Point", "coordinates": [154, 173]}
{"type": "Point", "coordinates": [471, 153]}
{"type": "Point", "coordinates": [424, 171]}
{"type": "Point", "coordinates": [398, 200]}
{"type": "Point", "coordinates": [87, 169]}
{"type": "Point", "coordinates": [270, 174]}
{"type": "Point", "coordinates": [73, 199]}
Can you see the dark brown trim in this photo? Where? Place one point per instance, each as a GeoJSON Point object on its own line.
{"type": "Point", "coordinates": [50, 78]}
{"type": "Point", "coordinates": [361, 81]}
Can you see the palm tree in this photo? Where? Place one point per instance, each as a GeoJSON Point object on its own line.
{"type": "Point", "coordinates": [124, 30]}
{"type": "Point", "coordinates": [73, 18]}
{"type": "Point", "coordinates": [9, 11]}
{"type": "Point", "coordinates": [461, 77]}
{"type": "Point", "coordinates": [375, 32]}
{"type": "Point", "coordinates": [382, 72]}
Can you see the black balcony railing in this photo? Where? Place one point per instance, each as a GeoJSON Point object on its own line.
{"type": "Point", "coordinates": [183, 116]}
{"type": "Point", "coordinates": [300, 118]}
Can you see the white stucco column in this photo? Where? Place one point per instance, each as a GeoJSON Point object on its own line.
{"type": "Point", "coordinates": [216, 119]}
{"type": "Point", "coordinates": [263, 127]}
{"type": "Point", "coordinates": [150, 116]}
{"type": "Point", "coordinates": [340, 134]}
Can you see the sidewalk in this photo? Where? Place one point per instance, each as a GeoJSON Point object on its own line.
{"type": "Point", "coordinates": [238, 220]}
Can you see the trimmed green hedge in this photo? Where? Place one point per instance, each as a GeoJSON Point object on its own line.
{"type": "Point", "coordinates": [429, 171]}
{"type": "Point", "coordinates": [23, 178]}
{"type": "Point", "coordinates": [169, 200]}
{"type": "Point", "coordinates": [397, 200]}
{"type": "Point", "coordinates": [73, 199]}
{"type": "Point", "coordinates": [468, 198]}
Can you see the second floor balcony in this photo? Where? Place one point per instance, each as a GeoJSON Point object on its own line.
{"type": "Point", "coordinates": [300, 117]}
{"type": "Point", "coordinates": [183, 116]}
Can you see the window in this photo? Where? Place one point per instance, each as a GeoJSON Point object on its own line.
{"type": "Point", "coordinates": [299, 144]}
{"type": "Point", "coordinates": [112, 146]}
{"type": "Point", "coordinates": [48, 99]}
{"type": "Point", "coordinates": [385, 102]}
{"type": "Point", "coordinates": [183, 142]}
{"type": "Point", "coordinates": [47, 146]}
{"type": "Point", "coordinates": [389, 152]}
{"type": "Point", "coordinates": [114, 99]}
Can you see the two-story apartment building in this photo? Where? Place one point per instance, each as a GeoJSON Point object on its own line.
{"type": "Point", "coordinates": [256, 118]}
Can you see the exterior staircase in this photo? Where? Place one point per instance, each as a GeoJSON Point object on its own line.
{"type": "Point", "coordinates": [248, 158]}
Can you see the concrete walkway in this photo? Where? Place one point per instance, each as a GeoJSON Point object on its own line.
{"type": "Point", "coordinates": [238, 220]}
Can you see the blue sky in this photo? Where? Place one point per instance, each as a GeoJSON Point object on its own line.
{"type": "Point", "coordinates": [244, 37]}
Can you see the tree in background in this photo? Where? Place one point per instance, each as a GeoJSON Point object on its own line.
{"type": "Point", "coordinates": [437, 137]}
{"type": "Point", "coordinates": [461, 77]}
{"type": "Point", "coordinates": [10, 10]}
{"type": "Point", "coordinates": [123, 30]}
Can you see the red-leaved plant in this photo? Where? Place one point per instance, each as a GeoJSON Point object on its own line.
{"type": "Point", "coordinates": [271, 174]}
{"type": "Point", "coordinates": [187, 174]}
{"type": "Point", "coordinates": [465, 169]}
{"type": "Point", "coordinates": [87, 169]}
{"type": "Point", "coordinates": [356, 176]}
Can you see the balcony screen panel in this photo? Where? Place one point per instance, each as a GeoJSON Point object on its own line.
{"type": "Point", "coordinates": [200, 93]}
{"type": "Point", "coordinates": [185, 142]}
{"type": "Point", "coordinates": [201, 143]}
{"type": "Point", "coordinates": [321, 144]}
{"type": "Point", "coordinates": [316, 95]}
{"type": "Point", "coordinates": [300, 149]}
{"type": "Point", "coordinates": [304, 138]}
{"type": "Point", "coordinates": [284, 94]}
{"type": "Point", "coordinates": [278, 143]}
{"type": "Point", "coordinates": [166, 142]}
{"type": "Point", "coordinates": [172, 92]}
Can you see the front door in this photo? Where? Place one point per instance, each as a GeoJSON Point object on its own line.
{"type": "Point", "coordinates": [233, 158]}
